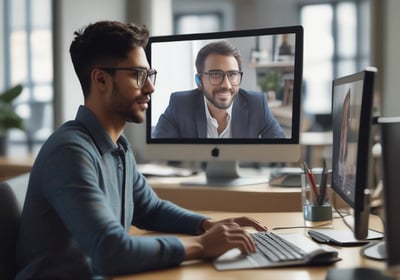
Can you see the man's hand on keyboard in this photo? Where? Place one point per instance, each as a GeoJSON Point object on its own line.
{"type": "Point", "coordinates": [221, 236]}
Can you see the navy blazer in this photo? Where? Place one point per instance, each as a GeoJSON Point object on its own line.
{"type": "Point", "coordinates": [185, 117]}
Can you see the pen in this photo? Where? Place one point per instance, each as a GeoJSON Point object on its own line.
{"type": "Point", "coordinates": [322, 185]}
{"type": "Point", "coordinates": [311, 180]}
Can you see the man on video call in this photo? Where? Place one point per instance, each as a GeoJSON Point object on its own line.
{"type": "Point", "coordinates": [218, 107]}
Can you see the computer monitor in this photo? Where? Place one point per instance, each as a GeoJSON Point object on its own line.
{"type": "Point", "coordinates": [390, 132]}
{"type": "Point", "coordinates": [352, 100]}
{"type": "Point", "coordinates": [389, 249]}
{"type": "Point", "coordinates": [264, 60]}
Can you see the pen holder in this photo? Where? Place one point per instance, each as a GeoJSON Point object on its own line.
{"type": "Point", "coordinates": [317, 209]}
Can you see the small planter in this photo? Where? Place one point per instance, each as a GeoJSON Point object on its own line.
{"type": "Point", "coordinates": [3, 145]}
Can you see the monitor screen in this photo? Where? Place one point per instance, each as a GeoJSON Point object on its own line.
{"type": "Point", "coordinates": [226, 97]}
{"type": "Point", "coordinates": [352, 98]}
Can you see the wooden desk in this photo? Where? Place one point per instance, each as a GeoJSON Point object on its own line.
{"type": "Point", "coordinates": [13, 166]}
{"type": "Point", "coordinates": [205, 270]}
{"type": "Point", "coordinates": [251, 198]}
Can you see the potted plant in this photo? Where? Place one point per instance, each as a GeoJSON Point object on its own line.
{"type": "Point", "coordinates": [8, 117]}
{"type": "Point", "coordinates": [270, 84]}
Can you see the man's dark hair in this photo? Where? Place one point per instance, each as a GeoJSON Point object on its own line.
{"type": "Point", "coordinates": [104, 43]}
{"type": "Point", "coordinates": [220, 47]}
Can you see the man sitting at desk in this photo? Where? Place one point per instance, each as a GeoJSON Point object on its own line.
{"type": "Point", "coordinates": [85, 191]}
{"type": "Point", "coordinates": [218, 107]}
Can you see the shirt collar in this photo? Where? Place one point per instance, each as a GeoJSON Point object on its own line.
{"type": "Point", "coordinates": [212, 123]}
{"type": "Point", "coordinates": [97, 131]}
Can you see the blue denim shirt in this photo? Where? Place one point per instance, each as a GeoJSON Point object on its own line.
{"type": "Point", "coordinates": [84, 193]}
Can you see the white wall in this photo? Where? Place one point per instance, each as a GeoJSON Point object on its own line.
{"type": "Point", "coordinates": [265, 13]}
{"type": "Point", "coordinates": [391, 60]}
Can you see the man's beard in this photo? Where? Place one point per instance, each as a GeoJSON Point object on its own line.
{"type": "Point", "coordinates": [125, 108]}
{"type": "Point", "coordinates": [219, 105]}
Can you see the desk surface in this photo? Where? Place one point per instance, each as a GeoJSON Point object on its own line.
{"type": "Point", "coordinates": [249, 198]}
{"type": "Point", "coordinates": [13, 166]}
{"type": "Point", "coordinates": [205, 270]}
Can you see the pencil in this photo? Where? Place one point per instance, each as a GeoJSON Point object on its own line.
{"type": "Point", "coordinates": [322, 186]}
{"type": "Point", "coordinates": [311, 180]}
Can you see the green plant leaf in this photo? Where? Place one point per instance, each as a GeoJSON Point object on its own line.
{"type": "Point", "coordinates": [271, 81]}
{"type": "Point", "coordinates": [9, 95]}
{"type": "Point", "coordinates": [10, 121]}
{"type": "Point", "coordinates": [8, 117]}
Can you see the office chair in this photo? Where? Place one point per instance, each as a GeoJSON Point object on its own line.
{"type": "Point", "coordinates": [12, 196]}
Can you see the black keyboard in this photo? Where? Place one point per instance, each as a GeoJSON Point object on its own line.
{"type": "Point", "coordinates": [275, 248]}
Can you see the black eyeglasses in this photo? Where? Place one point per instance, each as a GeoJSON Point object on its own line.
{"type": "Point", "coordinates": [216, 77]}
{"type": "Point", "coordinates": [142, 74]}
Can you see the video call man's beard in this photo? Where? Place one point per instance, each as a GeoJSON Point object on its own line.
{"type": "Point", "coordinates": [222, 106]}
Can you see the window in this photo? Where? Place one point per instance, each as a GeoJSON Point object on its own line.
{"type": "Point", "coordinates": [336, 44]}
{"type": "Point", "coordinates": [193, 16]}
{"type": "Point", "coordinates": [28, 57]}
{"type": "Point", "coordinates": [194, 23]}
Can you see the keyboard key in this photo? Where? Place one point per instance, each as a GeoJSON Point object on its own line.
{"type": "Point", "coordinates": [275, 248]}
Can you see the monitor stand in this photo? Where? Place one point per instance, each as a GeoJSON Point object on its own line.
{"type": "Point", "coordinates": [226, 174]}
{"type": "Point", "coordinates": [357, 273]}
{"type": "Point", "coordinates": [376, 251]}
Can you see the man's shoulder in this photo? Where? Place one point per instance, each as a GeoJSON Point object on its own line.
{"type": "Point", "coordinates": [69, 136]}
{"type": "Point", "coordinates": [186, 97]}
{"type": "Point", "coordinates": [250, 93]}
{"type": "Point", "coordinates": [186, 93]}
{"type": "Point", "coordinates": [71, 132]}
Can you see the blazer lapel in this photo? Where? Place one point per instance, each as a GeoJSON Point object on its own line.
{"type": "Point", "coordinates": [240, 116]}
{"type": "Point", "coordinates": [200, 115]}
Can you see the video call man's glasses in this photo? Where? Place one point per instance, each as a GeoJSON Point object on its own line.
{"type": "Point", "coordinates": [141, 74]}
{"type": "Point", "coordinates": [216, 77]}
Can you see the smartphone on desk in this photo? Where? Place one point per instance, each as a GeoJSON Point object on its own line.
{"type": "Point", "coordinates": [342, 237]}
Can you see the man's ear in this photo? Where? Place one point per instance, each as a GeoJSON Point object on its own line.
{"type": "Point", "coordinates": [99, 79]}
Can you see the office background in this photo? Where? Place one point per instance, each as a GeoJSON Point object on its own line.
{"type": "Point", "coordinates": [381, 20]}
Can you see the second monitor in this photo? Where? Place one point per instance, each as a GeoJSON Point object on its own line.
{"type": "Point", "coordinates": [352, 103]}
